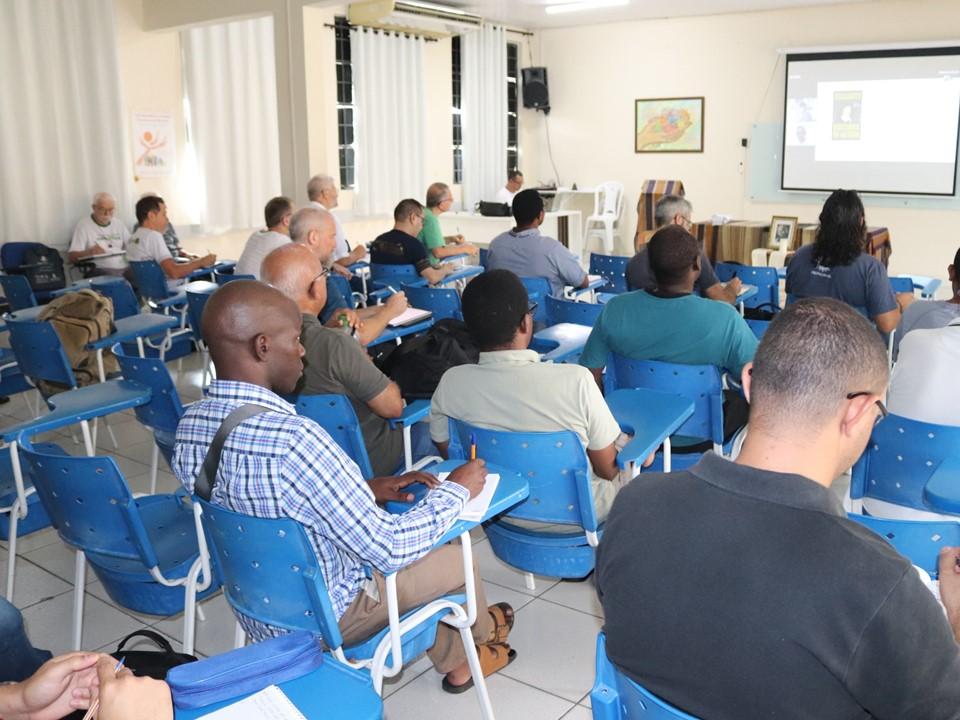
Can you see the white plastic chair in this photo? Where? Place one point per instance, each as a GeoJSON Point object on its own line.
{"type": "Point", "coordinates": [607, 207]}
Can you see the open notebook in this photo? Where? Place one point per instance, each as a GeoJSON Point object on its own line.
{"type": "Point", "coordinates": [410, 316]}
{"type": "Point", "coordinates": [269, 704]}
{"type": "Point", "coordinates": [477, 507]}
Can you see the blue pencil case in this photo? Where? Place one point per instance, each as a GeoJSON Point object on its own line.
{"type": "Point", "coordinates": [244, 671]}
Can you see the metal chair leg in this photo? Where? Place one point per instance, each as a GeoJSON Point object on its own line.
{"type": "Point", "coordinates": [154, 462]}
{"type": "Point", "coordinates": [12, 548]}
{"type": "Point", "coordinates": [79, 587]}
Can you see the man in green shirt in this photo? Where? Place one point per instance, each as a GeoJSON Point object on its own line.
{"type": "Point", "coordinates": [439, 200]}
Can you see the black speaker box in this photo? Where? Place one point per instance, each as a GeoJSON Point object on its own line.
{"type": "Point", "coordinates": [535, 92]}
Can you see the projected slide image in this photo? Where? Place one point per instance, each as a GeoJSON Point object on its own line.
{"type": "Point", "coordinates": [801, 121]}
{"type": "Point", "coordinates": [846, 115]}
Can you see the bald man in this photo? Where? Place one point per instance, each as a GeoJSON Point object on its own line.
{"type": "Point", "coordinates": [99, 234]}
{"type": "Point", "coordinates": [280, 464]}
{"type": "Point", "coordinates": [334, 362]}
{"type": "Point", "coordinates": [315, 229]}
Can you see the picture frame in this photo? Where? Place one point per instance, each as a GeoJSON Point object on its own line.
{"type": "Point", "coordinates": [783, 232]}
{"type": "Point", "coordinates": [668, 125]}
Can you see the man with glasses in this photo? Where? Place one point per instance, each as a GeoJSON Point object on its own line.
{"type": "Point", "coordinates": [510, 389]}
{"type": "Point", "coordinates": [400, 245]}
{"type": "Point", "coordinates": [439, 201]}
{"type": "Point", "coordinates": [676, 210]}
{"type": "Point", "coordinates": [740, 589]}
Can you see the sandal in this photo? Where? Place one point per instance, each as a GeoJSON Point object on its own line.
{"type": "Point", "coordinates": [492, 658]}
{"type": "Point", "coordinates": [502, 614]}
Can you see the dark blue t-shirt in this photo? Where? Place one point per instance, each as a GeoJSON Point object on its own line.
{"type": "Point", "coordinates": [397, 248]}
{"type": "Point", "coordinates": [863, 283]}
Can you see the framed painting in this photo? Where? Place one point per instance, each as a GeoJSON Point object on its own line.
{"type": "Point", "coordinates": [669, 125]}
{"type": "Point", "coordinates": [783, 231]}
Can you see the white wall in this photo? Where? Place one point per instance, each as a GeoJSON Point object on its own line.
{"type": "Point", "coordinates": [597, 72]}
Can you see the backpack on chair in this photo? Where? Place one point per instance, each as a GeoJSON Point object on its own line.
{"type": "Point", "coordinates": [80, 318]}
{"type": "Point", "coordinates": [43, 268]}
{"type": "Point", "coordinates": [418, 363]}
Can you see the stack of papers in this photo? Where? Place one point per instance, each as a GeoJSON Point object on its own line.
{"type": "Point", "coordinates": [269, 704]}
{"type": "Point", "coordinates": [410, 316]}
{"type": "Point", "coordinates": [477, 507]}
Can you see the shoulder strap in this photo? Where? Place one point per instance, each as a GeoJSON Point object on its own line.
{"type": "Point", "coordinates": [211, 464]}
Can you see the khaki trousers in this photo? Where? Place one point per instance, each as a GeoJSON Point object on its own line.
{"type": "Point", "coordinates": [439, 573]}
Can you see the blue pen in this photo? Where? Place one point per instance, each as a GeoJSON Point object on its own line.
{"type": "Point", "coordinates": [473, 446]}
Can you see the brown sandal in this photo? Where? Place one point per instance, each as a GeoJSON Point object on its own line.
{"type": "Point", "coordinates": [503, 617]}
{"type": "Point", "coordinates": [493, 657]}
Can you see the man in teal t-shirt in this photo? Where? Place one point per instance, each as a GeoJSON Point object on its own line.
{"type": "Point", "coordinates": [439, 200]}
{"type": "Point", "coordinates": [670, 323]}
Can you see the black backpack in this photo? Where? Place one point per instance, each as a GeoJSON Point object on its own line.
{"type": "Point", "coordinates": [43, 268]}
{"type": "Point", "coordinates": [418, 364]}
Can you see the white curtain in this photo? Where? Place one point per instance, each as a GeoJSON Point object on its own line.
{"type": "Point", "coordinates": [230, 82]}
{"type": "Point", "coordinates": [62, 130]}
{"type": "Point", "coordinates": [388, 120]}
{"type": "Point", "coordinates": [484, 113]}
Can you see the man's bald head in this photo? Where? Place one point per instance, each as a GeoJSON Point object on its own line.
{"type": "Point", "coordinates": [292, 269]}
{"type": "Point", "coordinates": [253, 331]}
{"type": "Point", "coordinates": [316, 229]}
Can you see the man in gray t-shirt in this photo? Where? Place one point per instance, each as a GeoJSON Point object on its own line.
{"type": "Point", "coordinates": [932, 314]}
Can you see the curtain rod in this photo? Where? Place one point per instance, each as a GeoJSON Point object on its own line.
{"type": "Point", "coordinates": [351, 26]}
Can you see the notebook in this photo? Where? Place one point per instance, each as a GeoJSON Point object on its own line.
{"type": "Point", "coordinates": [745, 289]}
{"type": "Point", "coordinates": [269, 704]}
{"type": "Point", "coordinates": [594, 278]}
{"type": "Point", "coordinates": [410, 316]}
{"type": "Point", "coordinates": [477, 507]}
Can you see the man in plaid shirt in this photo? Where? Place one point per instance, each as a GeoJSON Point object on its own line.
{"type": "Point", "coordinates": [280, 464]}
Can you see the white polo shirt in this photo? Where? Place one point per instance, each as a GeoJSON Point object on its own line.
{"type": "Point", "coordinates": [112, 238]}
{"type": "Point", "coordinates": [925, 384]}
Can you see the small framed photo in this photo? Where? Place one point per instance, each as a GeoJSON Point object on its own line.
{"type": "Point", "coordinates": [668, 125]}
{"type": "Point", "coordinates": [783, 231]}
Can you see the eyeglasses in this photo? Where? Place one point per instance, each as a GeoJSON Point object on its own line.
{"type": "Point", "coordinates": [533, 308]}
{"type": "Point", "coordinates": [883, 408]}
{"type": "Point", "coordinates": [323, 273]}
{"type": "Point", "coordinates": [686, 223]}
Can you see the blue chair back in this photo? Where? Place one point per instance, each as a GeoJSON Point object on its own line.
{"type": "Point", "coordinates": [919, 541]}
{"type": "Point", "coordinates": [149, 279]}
{"type": "Point", "coordinates": [222, 277]}
{"type": "Point", "coordinates": [18, 292]}
{"type": "Point", "coordinates": [39, 352]}
{"type": "Point", "coordinates": [164, 410]}
{"type": "Point", "coordinates": [393, 273]}
{"type": "Point", "coordinates": [616, 697]}
{"type": "Point", "coordinates": [343, 287]}
{"type": "Point", "coordinates": [120, 293]}
{"type": "Point", "coordinates": [568, 311]}
{"type": "Point", "coordinates": [538, 290]}
{"type": "Point", "coordinates": [613, 268]}
{"type": "Point", "coordinates": [270, 571]}
{"type": "Point", "coordinates": [90, 504]}
{"type": "Point", "coordinates": [901, 285]}
{"type": "Point", "coordinates": [899, 459]}
{"type": "Point", "coordinates": [336, 415]}
{"type": "Point", "coordinates": [554, 464]}
{"type": "Point", "coordinates": [765, 278]}
{"type": "Point", "coordinates": [759, 327]}
{"type": "Point", "coordinates": [484, 254]}
{"type": "Point", "coordinates": [701, 384]}
{"type": "Point", "coordinates": [11, 254]}
{"type": "Point", "coordinates": [442, 302]}
{"type": "Point", "coordinates": [198, 292]}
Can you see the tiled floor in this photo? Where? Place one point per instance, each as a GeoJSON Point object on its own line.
{"type": "Point", "coordinates": [555, 632]}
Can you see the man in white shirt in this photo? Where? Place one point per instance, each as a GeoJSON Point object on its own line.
{"type": "Point", "coordinates": [277, 215]}
{"type": "Point", "coordinates": [324, 195]}
{"type": "Point", "coordinates": [100, 234]}
{"type": "Point", "coordinates": [147, 242]}
{"type": "Point", "coordinates": [514, 183]}
{"type": "Point", "coordinates": [924, 382]}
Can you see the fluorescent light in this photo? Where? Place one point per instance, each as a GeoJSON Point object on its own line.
{"type": "Point", "coordinates": [586, 5]}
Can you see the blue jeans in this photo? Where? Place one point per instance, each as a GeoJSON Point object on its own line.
{"type": "Point", "coordinates": [20, 658]}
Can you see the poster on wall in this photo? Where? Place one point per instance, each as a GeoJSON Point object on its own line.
{"type": "Point", "coordinates": [154, 144]}
{"type": "Point", "coordinates": [669, 125]}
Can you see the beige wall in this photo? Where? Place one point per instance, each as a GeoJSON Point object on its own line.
{"type": "Point", "coordinates": [597, 72]}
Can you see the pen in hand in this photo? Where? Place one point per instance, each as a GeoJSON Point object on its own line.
{"type": "Point", "coordinates": [96, 703]}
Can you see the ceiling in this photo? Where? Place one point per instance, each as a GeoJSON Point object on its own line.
{"type": "Point", "coordinates": [530, 13]}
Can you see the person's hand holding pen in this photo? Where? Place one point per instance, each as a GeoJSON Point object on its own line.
{"type": "Point", "coordinates": [396, 303]}
{"type": "Point", "coordinates": [123, 696]}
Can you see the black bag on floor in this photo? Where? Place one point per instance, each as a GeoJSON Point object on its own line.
{"type": "Point", "coordinates": [418, 363]}
{"type": "Point", "coordinates": [151, 663]}
{"type": "Point", "coordinates": [43, 268]}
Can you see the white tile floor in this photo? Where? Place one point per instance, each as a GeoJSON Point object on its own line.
{"type": "Point", "coordinates": [555, 632]}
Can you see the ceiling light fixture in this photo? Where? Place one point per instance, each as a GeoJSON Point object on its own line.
{"type": "Point", "coordinates": [584, 5]}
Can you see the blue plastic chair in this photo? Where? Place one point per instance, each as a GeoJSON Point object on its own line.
{"type": "Point", "coordinates": [444, 303]}
{"type": "Point", "coordinates": [759, 327]}
{"type": "Point", "coordinates": [538, 290]}
{"type": "Point", "coordinates": [701, 384]}
{"type": "Point", "coordinates": [223, 276]}
{"type": "Point", "coordinates": [613, 268]}
{"type": "Point", "coordinates": [162, 414]}
{"type": "Point", "coordinates": [559, 310]}
{"type": "Point", "coordinates": [616, 697]}
{"type": "Point", "coordinates": [271, 574]}
{"type": "Point", "coordinates": [901, 284]}
{"type": "Point", "coordinates": [11, 261]}
{"type": "Point", "coordinates": [120, 293]}
{"type": "Point", "coordinates": [919, 541]}
{"type": "Point", "coordinates": [557, 469]}
{"type": "Point", "coordinates": [343, 287]}
{"type": "Point", "coordinates": [382, 275]}
{"type": "Point", "coordinates": [18, 292]}
{"type": "Point", "coordinates": [144, 550]}
{"type": "Point", "coordinates": [764, 278]}
{"type": "Point", "coordinates": [151, 283]}
{"type": "Point", "coordinates": [900, 458]}
{"type": "Point", "coordinates": [197, 294]}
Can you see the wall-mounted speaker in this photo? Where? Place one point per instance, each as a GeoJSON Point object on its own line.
{"type": "Point", "coordinates": [535, 92]}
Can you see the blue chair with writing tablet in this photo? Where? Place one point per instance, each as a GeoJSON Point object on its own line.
{"type": "Point", "coordinates": [765, 279]}
{"type": "Point", "coordinates": [559, 310]}
{"type": "Point", "coordinates": [920, 541]}
{"type": "Point", "coordinates": [613, 269]}
{"type": "Point", "coordinates": [616, 697]}
{"type": "Point", "coordinates": [17, 291]}
{"type": "Point", "coordinates": [444, 303]}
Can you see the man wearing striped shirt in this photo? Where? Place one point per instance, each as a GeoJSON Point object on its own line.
{"type": "Point", "coordinates": [280, 464]}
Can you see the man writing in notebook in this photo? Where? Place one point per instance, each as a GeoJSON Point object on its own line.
{"type": "Point", "coordinates": [280, 464]}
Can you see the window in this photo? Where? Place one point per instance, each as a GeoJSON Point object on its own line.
{"type": "Point", "coordinates": [513, 91]}
{"type": "Point", "coordinates": [345, 134]}
{"type": "Point", "coordinates": [457, 126]}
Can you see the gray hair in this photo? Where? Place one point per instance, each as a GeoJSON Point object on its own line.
{"type": "Point", "coordinates": [306, 219]}
{"type": "Point", "coordinates": [814, 353]}
{"type": "Point", "coordinates": [317, 184]}
{"type": "Point", "coordinates": [103, 196]}
{"type": "Point", "coordinates": [668, 206]}
{"type": "Point", "coordinates": [436, 193]}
